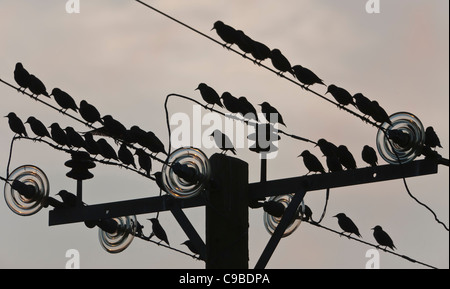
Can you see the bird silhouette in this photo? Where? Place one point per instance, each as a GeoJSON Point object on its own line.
{"type": "Point", "coordinates": [113, 127]}
{"type": "Point", "coordinates": [91, 145]}
{"type": "Point", "coordinates": [311, 162]}
{"type": "Point", "coordinates": [342, 96]}
{"type": "Point", "coordinates": [36, 86]}
{"type": "Point", "coordinates": [247, 110]}
{"type": "Point", "coordinates": [346, 158]}
{"type": "Point", "coordinates": [347, 225]}
{"type": "Point", "coordinates": [271, 114]}
{"type": "Point", "coordinates": [306, 76]}
{"type": "Point", "coordinates": [280, 62]}
{"type": "Point", "coordinates": [231, 103]}
{"type": "Point", "coordinates": [191, 247]}
{"type": "Point", "coordinates": [144, 160]}
{"type": "Point", "coordinates": [159, 181]}
{"type": "Point", "coordinates": [431, 138]}
{"type": "Point", "coordinates": [69, 199]}
{"type": "Point", "coordinates": [38, 127]}
{"type": "Point", "coordinates": [244, 42]}
{"type": "Point", "coordinates": [153, 143]}
{"type": "Point", "coordinates": [74, 139]}
{"type": "Point", "coordinates": [125, 156]}
{"type": "Point", "coordinates": [209, 95]}
{"type": "Point", "coordinates": [223, 142]}
{"type": "Point", "coordinates": [16, 124]}
{"type": "Point", "coordinates": [106, 150]}
{"type": "Point", "coordinates": [260, 52]}
{"type": "Point", "coordinates": [64, 100]}
{"type": "Point", "coordinates": [382, 238]}
{"type": "Point", "coordinates": [369, 155]}
{"type": "Point", "coordinates": [22, 77]}
{"type": "Point", "coordinates": [326, 147]}
{"type": "Point", "coordinates": [89, 112]}
{"type": "Point", "coordinates": [363, 104]}
{"type": "Point", "coordinates": [305, 214]}
{"type": "Point", "coordinates": [333, 164]}
{"type": "Point", "coordinates": [158, 231]}
{"type": "Point", "coordinates": [379, 114]}
{"type": "Point", "coordinates": [58, 134]}
{"type": "Point", "coordinates": [226, 33]}
{"type": "Point", "coordinates": [134, 134]}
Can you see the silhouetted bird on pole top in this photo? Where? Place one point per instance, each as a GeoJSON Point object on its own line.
{"type": "Point", "coordinates": [16, 124]}
{"type": "Point", "coordinates": [223, 142]}
{"type": "Point", "coordinates": [342, 96]}
{"type": "Point", "coordinates": [431, 138]}
{"type": "Point", "coordinates": [89, 112]}
{"type": "Point", "coordinates": [231, 103]}
{"type": "Point", "coordinates": [38, 127]}
{"type": "Point", "coordinates": [311, 162]}
{"type": "Point", "coordinates": [226, 32]}
{"type": "Point", "coordinates": [36, 86]}
{"type": "Point", "coordinates": [64, 100]}
{"type": "Point", "coordinates": [271, 114]}
{"type": "Point", "coordinates": [158, 231]}
{"type": "Point", "coordinates": [306, 76]}
{"type": "Point", "coordinates": [347, 225]}
{"type": "Point", "coordinates": [58, 134]}
{"type": "Point", "coordinates": [382, 238]}
{"type": "Point", "coordinates": [209, 95]}
{"type": "Point", "coordinates": [369, 155]}
{"type": "Point", "coordinates": [22, 77]}
{"type": "Point", "coordinates": [280, 62]}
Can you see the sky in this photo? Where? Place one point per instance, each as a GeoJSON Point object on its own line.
{"type": "Point", "coordinates": [125, 59]}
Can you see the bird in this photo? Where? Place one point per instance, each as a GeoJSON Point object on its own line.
{"type": "Point", "coordinates": [191, 247]}
{"type": "Point", "coordinates": [306, 214]}
{"type": "Point", "coordinates": [333, 164]}
{"type": "Point", "coordinates": [223, 142]}
{"type": "Point", "coordinates": [134, 134]}
{"type": "Point", "coordinates": [431, 138]}
{"type": "Point", "coordinates": [346, 158]}
{"type": "Point", "coordinates": [91, 145]}
{"type": "Point", "coordinates": [113, 127]}
{"type": "Point", "coordinates": [69, 199]}
{"type": "Point", "coordinates": [231, 103]}
{"type": "Point", "coordinates": [158, 231]}
{"type": "Point", "coordinates": [260, 52]}
{"type": "Point", "coordinates": [58, 134]}
{"type": "Point", "coordinates": [144, 160]}
{"type": "Point", "coordinates": [347, 225]}
{"type": "Point", "coordinates": [106, 150]}
{"type": "Point", "coordinates": [306, 76]}
{"type": "Point", "coordinates": [36, 86]}
{"type": "Point", "coordinates": [125, 156]}
{"type": "Point", "coordinates": [209, 95]}
{"type": "Point", "coordinates": [363, 104]}
{"type": "Point", "coordinates": [383, 238]}
{"type": "Point", "coordinates": [21, 76]}
{"type": "Point", "coordinates": [247, 110]}
{"type": "Point", "coordinates": [280, 62]}
{"type": "Point", "coordinates": [244, 42]}
{"type": "Point", "coordinates": [379, 114]}
{"type": "Point", "coordinates": [153, 143]}
{"type": "Point", "coordinates": [16, 124]}
{"type": "Point", "coordinates": [342, 96]}
{"type": "Point", "coordinates": [38, 127]}
{"type": "Point", "coordinates": [369, 155]}
{"type": "Point", "coordinates": [64, 100]}
{"type": "Point", "coordinates": [226, 33]}
{"type": "Point", "coordinates": [311, 162]}
{"type": "Point", "coordinates": [89, 112]}
{"type": "Point", "coordinates": [271, 114]}
{"type": "Point", "coordinates": [326, 147]}
{"type": "Point", "coordinates": [74, 139]}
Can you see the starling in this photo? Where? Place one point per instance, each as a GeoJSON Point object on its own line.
{"type": "Point", "coordinates": [74, 139]}
{"type": "Point", "coordinates": [431, 138]}
{"type": "Point", "coordinates": [280, 62]}
{"type": "Point", "coordinates": [379, 114]}
{"type": "Point", "coordinates": [327, 148]}
{"type": "Point", "coordinates": [306, 76]}
{"type": "Point", "coordinates": [191, 247]}
{"type": "Point", "coordinates": [271, 114]}
{"type": "Point", "coordinates": [369, 156]}
{"type": "Point", "coordinates": [58, 134]}
{"type": "Point", "coordinates": [158, 231]}
{"type": "Point", "coordinates": [342, 96]}
{"type": "Point", "coordinates": [125, 156]}
{"type": "Point", "coordinates": [226, 32]}
{"type": "Point", "coordinates": [382, 238]}
{"type": "Point", "coordinates": [37, 127]}
{"type": "Point", "coordinates": [247, 110]}
{"type": "Point", "coordinates": [159, 181]}
{"type": "Point", "coordinates": [346, 158]}
{"type": "Point", "coordinates": [347, 225]}
{"type": "Point", "coordinates": [209, 95]}
{"type": "Point", "coordinates": [36, 86]}
{"type": "Point", "coordinates": [153, 143]}
{"type": "Point", "coordinates": [106, 150]}
{"type": "Point", "coordinates": [134, 134]}
{"type": "Point", "coordinates": [89, 113]}
{"type": "Point", "coordinates": [144, 160]}
{"type": "Point", "coordinates": [91, 145]}
{"type": "Point", "coordinates": [69, 199]}
{"type": "Point", "coordinates": [311, 162]}
{"type": "Point", "coordinates": [223, 142]}
{"type": "Point", "coordinates": [231, 103]}
{"type": "Point", "coordinates": [113, 127]}
{"type": "Point", "coordinates": [260, 51]}
{"type": "Point", "coordinates": [333, 164]}
{"type": "Point", "coordinates": [64, 100]}
{"type": "Point", "coordinates": [363, 104]}
{"type": "Point", "coordinates": [21, 76]}
{"type": "Point", "coordinates": [245, 43]}
{"type": "Point", "coordinates": [16, 124]}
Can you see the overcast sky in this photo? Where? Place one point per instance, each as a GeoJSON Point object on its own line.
{"type": "Point", "coordinates": [125, 59]}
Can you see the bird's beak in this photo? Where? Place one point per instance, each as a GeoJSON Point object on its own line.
{"type": "Point", "coordinates": [335, 216]}
{"type": "Point", "coordinates": [373, 228]}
